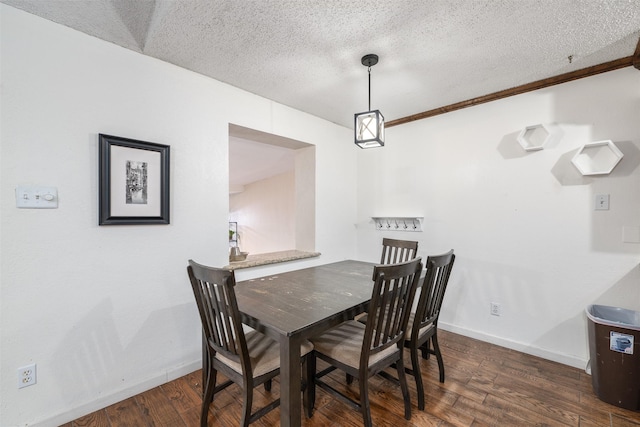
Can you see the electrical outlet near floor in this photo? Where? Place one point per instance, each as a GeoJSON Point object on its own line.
{"type": "Point", "coordinates": [495, 309]}
{"type": "Point", "coordinates": [27, 376]}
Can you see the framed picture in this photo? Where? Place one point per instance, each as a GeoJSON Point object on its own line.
{"type": "Point", "coordinates": [133, 182]}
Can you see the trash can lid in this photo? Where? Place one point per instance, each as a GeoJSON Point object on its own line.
{"type": "Point", "coordinates": [614, 316]}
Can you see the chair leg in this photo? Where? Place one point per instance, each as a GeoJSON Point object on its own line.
{"type": "Point", "coordinates": [267, 385]}
{"type": "Point", "coordinates": [424, 348]}
{"type": "Point", "coordinates": [365, 405]}
{"type": "Point", "coordinates": [205, 360]}
{"type": "Point", "coordinates": [405, 389]}
{"type": "Point", "coordinates": [247, 402]}
{"type": "Point", "coordinates": [349, 378]}
{"type": "Point", "coordinates": [436, 349]}
{"type": "Point", "coordinates": [305, 385]}
{"type": "Point", "coordinates": [309, 397]}
{"type": "Point", "coordinates": [207, 398]}
{"type": "Point", "coordinates": [417, 375]}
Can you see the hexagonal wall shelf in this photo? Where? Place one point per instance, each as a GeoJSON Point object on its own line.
{"type": "Point", "coordinates": [534, 137]}
{"type": "Point", "coordinates": [597, 158]}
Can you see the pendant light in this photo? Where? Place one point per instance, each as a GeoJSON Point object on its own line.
{"type": "Point", "coordinates": [369, 126]}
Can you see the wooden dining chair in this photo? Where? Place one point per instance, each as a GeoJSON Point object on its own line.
{"type": "Point", "coordinates": [423, 324]}
{"type": "Point", "coordinates": [364, 350]}
{"type": "Point", "coordinates": [247, 359]}
{"type": "Point", "coordinates": [395, 251]}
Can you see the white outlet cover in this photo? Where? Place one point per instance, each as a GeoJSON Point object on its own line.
{"type": "Point", "coordinates": [27, 376]}
{"type": "Point", "coordinates": [495, 309]}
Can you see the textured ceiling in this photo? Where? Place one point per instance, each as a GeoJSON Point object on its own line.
{"type": "Point", "coordinates": [306, 53]}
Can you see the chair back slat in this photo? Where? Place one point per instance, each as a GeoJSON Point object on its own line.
{"type": "Point", "coordinates": [388, 310]}
{"type": "Point", "coordinates": [393, 292]}
{"type": "Point", "coordinates": [396, 251]}
{"type": "Point", "coordinates": [433, 289]}
{"type": "Point", "coordinates": [213, 289]}
{"type": "Point", "coordinates": [225, 334]}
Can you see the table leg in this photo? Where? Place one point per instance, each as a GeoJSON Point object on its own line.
{"type": "Point", "coordinates": [290, 380]}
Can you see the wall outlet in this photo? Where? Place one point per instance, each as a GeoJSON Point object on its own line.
{"type": "Point", "coordinates": [495, 309]}
{"type": "Point", "coordinates": [27, 376]}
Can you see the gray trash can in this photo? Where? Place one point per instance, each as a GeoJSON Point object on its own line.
{"type": "Point", "coordinates": [614, 348]}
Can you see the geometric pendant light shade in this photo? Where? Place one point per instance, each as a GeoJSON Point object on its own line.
{"type": "Point", "coordinates": [369, 125]}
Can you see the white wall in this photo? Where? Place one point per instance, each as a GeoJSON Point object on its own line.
{"type": "Point", "coordinates": [305, 197]}
{"type": "Point", "coordinates": [265, 212]}
{"type": "Point", "coordinates": [107, 312]}
{"type": "Point", "coordinates": [522, 224]}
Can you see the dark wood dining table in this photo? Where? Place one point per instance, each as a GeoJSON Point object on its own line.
{"type": "Point", "coordinates": [293, 306]}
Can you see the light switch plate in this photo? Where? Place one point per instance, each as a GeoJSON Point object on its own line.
{"type": "Point", "coordinates": [36, 197]}
{"type": "Point", "coordinates": [602, 202]}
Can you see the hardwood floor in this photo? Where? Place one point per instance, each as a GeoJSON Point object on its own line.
{"type": "Point", "coordinates": [485, 385]}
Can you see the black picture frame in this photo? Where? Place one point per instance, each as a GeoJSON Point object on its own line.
{"type": "Point", "coordinates": [133, 182]}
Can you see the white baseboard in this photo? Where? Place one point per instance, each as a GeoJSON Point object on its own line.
{"type": "Point", "coordinates": [514, 345]}
{"type": "Point", "coordinates": [120, 395]}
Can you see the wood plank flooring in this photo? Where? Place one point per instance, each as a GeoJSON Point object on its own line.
{"type": "Point", "coordinates": [485, 385]}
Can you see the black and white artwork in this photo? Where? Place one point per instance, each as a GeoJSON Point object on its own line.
{"type": "Point", "coordinates": [134, 182]}
{"type": "Point", "coordinates": [136, 191]}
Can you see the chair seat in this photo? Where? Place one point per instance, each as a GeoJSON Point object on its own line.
{"type": "Point", "coordinates": [344, 344]}
{"type": "Point", "coordinates": [264, 354]}
{"type": "Point", "coordinates": [363, 320]}
{"type": "Point", "coordinates": [423, 330]}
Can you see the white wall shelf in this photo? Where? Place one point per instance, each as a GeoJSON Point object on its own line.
{"type": "Point", "coordinates": [398, 223]}
{"type": "Point", "coordinates": [597, 158]}
{"type": "Point", "coordinates": [534, 137]}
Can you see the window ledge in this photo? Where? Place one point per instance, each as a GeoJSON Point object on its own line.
{"type": "Point", "coordinates": [271, 258]}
